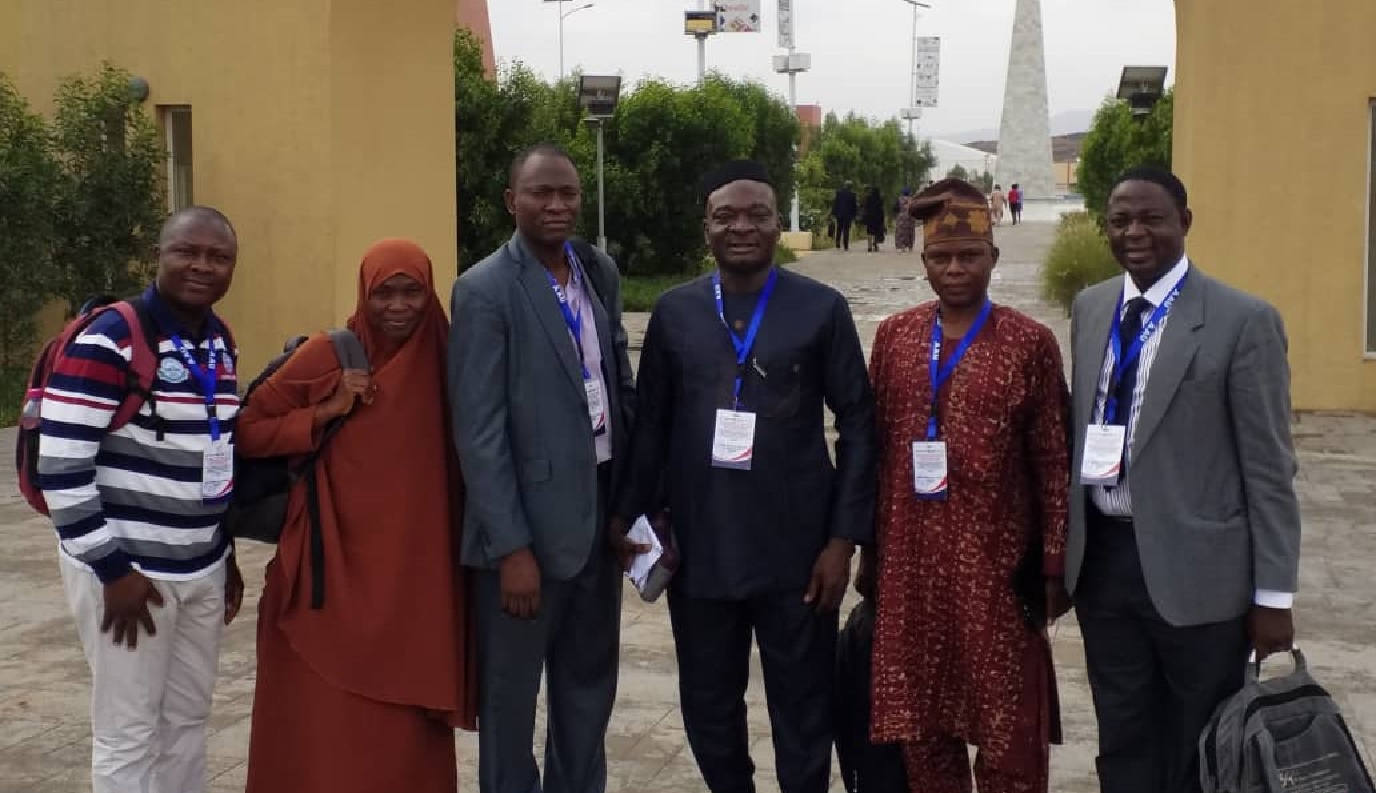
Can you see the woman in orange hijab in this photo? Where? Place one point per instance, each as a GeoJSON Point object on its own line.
{"type": "Point", "coordinates": [363, 694]}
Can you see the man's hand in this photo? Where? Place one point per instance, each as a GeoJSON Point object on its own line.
{"type": "Point", "coordinates": [354, 385]}
{"type": "Point", "coordinates": [1271, 630]}
{"type": "Point", "coordinates": [126, 607]}
{"type": "Point", "coordinates": [867, 577]}
{"type": "Point", "coordinates": [830, 575]}
{"type": "Point", "coordinates": [625, 550]}
{"type": "Point", "coordinates": [1057, 599]}
{"type": "Point", "coordinates": [520, 575]}
{"type": "Point", "coordinates": [234, 589]}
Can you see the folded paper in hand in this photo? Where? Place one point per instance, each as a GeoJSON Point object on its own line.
{"type": "Point", "coordinates": [642, 534]}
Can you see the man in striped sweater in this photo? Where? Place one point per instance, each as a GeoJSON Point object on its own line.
{"type": "Point", "coordinates": [149, 575]}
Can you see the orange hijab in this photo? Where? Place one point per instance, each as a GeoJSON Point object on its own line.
{"type": "Point", "coordinates": [395, 625]}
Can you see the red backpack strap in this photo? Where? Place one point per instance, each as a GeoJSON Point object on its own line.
{"type": "Point", "coordinates": [143, 362]}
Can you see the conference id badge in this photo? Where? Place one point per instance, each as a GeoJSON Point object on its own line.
{"type": "Point", "coordinates": [930, 475]}
{"type": "Point", "coordinates": [597, 405]}
{"type": "Point", "coordinates": [217, 472]}
{"type": "Point", "coordinates": [1102, 463]}
{"type": "Point", "coordinates": [733, 441]}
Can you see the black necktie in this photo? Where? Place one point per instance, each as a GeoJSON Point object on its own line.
{"type": "Point", "coordinates": [1131, 328]}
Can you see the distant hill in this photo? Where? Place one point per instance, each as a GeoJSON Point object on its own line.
{"type": "Point", "coordinates": [1061, 124]}
{"type": "Point", "coordinates": [1064, 148]}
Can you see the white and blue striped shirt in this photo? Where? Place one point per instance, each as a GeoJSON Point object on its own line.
{"type": "Point", "coordinates": [127, 498]}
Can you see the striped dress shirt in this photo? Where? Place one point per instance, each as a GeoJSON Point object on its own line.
{"type": "Point", "coordinates": [126, 498]}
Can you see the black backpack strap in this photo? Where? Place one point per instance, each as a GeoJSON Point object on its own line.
{"type": "Point", "coordinates": [592, 267]}
{"type": "Point", "coordinates": [349, 349]}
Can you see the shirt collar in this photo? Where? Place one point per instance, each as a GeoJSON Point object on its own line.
{"type": "Point", "coordinates": [1159, 291]}
{"type": "Point", "coordinates": [168, 322]}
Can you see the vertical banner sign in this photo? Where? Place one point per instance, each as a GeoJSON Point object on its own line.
{"type": "Point", "coordinates": [927, 78]}
{"type": "Point", "coordinates": [738, 16]}
{"type": "Point", "coordinates": [786, 24]}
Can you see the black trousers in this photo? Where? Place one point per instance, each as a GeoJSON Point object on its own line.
{"type": "Point", "coordinates": [798, 654]}
{"type": "Point", "coordinates": [1155, 685]}
{"type": "Point", "coordinates": [843, 226]}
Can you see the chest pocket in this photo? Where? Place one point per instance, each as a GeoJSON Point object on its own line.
{"type": "Point", "coordinates": [776, 385]}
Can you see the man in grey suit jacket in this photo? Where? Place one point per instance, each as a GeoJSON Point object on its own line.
{"type": "Point", "coordinates": [1184, 541]}
{"type": "Point", "coordinates": [542, 393]}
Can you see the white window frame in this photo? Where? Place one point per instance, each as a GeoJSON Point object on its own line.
{"type": "Point", "coordinates": [170, 113]}
{"type": "Point", "coordinates": [1369, 265]}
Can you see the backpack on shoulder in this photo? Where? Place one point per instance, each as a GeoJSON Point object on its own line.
{"type": "Point", "coordinates": [1283, 734]}
{"type": "Point", "coordinates": [262, 485]}
{"type": "Point", "coordinates": [138, 386]}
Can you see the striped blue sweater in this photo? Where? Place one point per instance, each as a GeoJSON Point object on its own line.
{"type": "Point", "coordinates": [126, 499]}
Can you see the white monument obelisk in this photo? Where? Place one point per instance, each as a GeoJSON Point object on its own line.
{"type": "Point", "coordinates": [1025, 131]}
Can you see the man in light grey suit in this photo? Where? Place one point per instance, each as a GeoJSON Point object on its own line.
{"type": "Point", "coordinates": [1184, 540]}
{"type": "Point", "coordinates": [542, 397]}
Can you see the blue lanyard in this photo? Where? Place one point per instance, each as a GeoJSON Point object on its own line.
{"type": "Point", "coordinates": [743, 346]}
{"type": "Point", "coordinates": [207, 377]}
{"type": "Point", "coordinates": [940, 374]}
{"type": "Point", "coordinates": [1122, 361]}
{"type": "Point", "coordinates": [574, 320]}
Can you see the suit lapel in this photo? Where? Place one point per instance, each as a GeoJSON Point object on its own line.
{"type": "Point", "coordinates": [1089, 359]}
{"type": "Point", "coordinates": [1179, 343]}
{"type": "Point", "coordinates": [535, 281]}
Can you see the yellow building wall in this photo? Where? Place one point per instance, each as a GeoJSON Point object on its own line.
{"type": "Point", "coordinates": [1272, 125]}
{"type": "Point", "coordinates": [319, 126]}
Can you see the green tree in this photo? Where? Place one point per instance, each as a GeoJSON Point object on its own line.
{"type": "Point", "coordinates": [958, 172]}
{"type": "Point", "coordinates": [866, 154]}
{"type": "Point", "coordinates": [108, 198]}
{"type": "Point", "coordinates": [27, 173]}
{"type": "Point", "coordinates": [1118, 141]}
{"type": "Point", "coordinates": [984, 181]}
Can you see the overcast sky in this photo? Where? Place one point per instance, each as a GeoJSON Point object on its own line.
{"type": "Point", "coordinates": [861, 49]}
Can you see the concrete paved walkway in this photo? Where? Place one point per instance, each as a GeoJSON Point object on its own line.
{"type": "Point", "coordinates": [44, 741]}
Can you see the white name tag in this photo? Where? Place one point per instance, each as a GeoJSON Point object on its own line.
{"type": "Point", "coordinates": [930, 475]}
{"type": "Point", "coordinates": [1102, 463]}
{"type": "Point", "coordinates": [597, 406]}
{"type": "Point", "coordinates": [217, 472]}
{"type": "Point", "coordinates": [733, 440]}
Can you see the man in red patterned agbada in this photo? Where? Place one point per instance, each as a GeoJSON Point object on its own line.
{"type": "Point", "coordinates": [971, 518]}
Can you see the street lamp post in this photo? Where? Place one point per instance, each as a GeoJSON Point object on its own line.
{"type": "Point", "coordinates": [563, 15]}
{"type": "Point", "coordinates": [911, 111]}
{"type": "Point", "coordinates": [791, 64]}
{"type": "Point", "coordinates": [598, 97]}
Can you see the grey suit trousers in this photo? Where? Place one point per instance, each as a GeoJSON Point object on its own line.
{"type": "Point", "coordinates": [575, 640]}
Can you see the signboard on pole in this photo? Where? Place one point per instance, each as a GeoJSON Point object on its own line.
{"type": "Point", "coordinates": [927, 74]}
{"type": "Point", "coordinates": [738, 16]}
{"type": "Point", "coordinates": [786, 24]}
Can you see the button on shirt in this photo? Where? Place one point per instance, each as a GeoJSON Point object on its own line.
{"type": "Point", "coordinates": [579, 297]}
{"type": "Point", "coordinates": [1116, 501]}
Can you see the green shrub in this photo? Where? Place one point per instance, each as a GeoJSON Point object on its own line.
{"type": "Point", "coordinates": [1079, 257]}
{"type": "Point", "coordinates": [639, 292]}
{"type": "Point", "coordinates": [11, 394]}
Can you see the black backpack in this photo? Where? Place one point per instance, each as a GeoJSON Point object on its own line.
{"type": "Point", "coordinates": [263, 485]}
{"type": "Point", "coordinates": [866, 767]}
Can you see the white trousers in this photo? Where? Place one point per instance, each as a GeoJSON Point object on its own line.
{"type": "Point", "coordinates": [149, 706]}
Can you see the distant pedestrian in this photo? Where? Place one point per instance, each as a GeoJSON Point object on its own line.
{"type": "Point", "coordinates": [904, 224]}
{"type": "Point", "coordinates": [873, 216]}
{"type": "Point", "coordinates": [1015, 203]}
{"type": "Point", "coordinates": [844, 208]}
{"type": "Point", "coordinates": [998, 203]}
